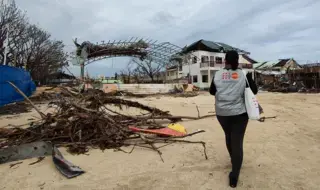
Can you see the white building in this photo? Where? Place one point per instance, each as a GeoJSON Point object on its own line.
{"type": "Point", "coordinates": [202, 59]}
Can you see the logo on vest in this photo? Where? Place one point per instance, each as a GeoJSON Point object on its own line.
{"type": "Point", "coordinates": [225, 76]}
{"type": "Point", "coordinates": [234, 76]}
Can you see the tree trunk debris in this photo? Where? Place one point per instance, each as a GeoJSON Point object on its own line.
{"type": "Point", "coordinates": [83, 120]}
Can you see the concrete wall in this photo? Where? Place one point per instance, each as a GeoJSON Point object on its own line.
{"type": "Point", "coordinates": [143, 88]}
{"type": "Point", "coordinates": [148, 88]}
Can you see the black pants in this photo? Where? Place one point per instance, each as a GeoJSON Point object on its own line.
{"type": "Point", "coordinates": [234, 128]}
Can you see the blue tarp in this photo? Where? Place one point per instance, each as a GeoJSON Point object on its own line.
{"type": "Point", "coordinates": [20, 78]}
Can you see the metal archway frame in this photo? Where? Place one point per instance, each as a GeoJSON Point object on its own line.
{"type": "Point", "coordinates": [135, 47]}
{"type": "Point", "coordinates": [164, 53]}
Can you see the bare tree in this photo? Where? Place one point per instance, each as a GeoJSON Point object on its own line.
{"type": "Point", "coordinates": [136, 75]}
{"type": "Point", "coordinates": [148, 68]}
{"type": "Point", "coordinates": [127, 72]}
{"type": "Point", "coordinates": [28, 45]}
{"type": "Point", "coordinates": [11, 16]}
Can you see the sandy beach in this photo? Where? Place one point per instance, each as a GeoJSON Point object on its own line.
{"type": "Point", "coordinates": [281, 153]}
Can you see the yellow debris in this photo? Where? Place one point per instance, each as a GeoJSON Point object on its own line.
{"type": "Point", "coordinates": [177, 127]}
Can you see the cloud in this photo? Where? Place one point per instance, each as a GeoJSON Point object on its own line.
{"type": "Point", "coordinates": [269, 29]}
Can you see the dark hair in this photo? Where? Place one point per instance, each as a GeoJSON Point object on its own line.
{"type": "Point", "coordinates": [232, 59]}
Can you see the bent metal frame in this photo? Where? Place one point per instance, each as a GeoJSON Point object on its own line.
{"type": "Point", "coordinates": [164, 53]}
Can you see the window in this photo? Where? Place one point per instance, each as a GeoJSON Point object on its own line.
{"type": "Point", "coordinates": [180, 66]}
{"type": "Point", "coordinates": [195, 58]}
{"type": "Point", "coordinates": [204, 59]}
{"type": "Point", "coordinates": [219, 60]}
{"type": "Point", "coordinates": [195, 79]}
{"type": "Point", "coordinates": [211, 59]}
{"type": "Point", "coordinates": [205, 78]}
{"type": "Point", "coordinates": [211, 62]}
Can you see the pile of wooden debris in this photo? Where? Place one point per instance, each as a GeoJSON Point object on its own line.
{"type": "Point", "coordinates": [84, 120]}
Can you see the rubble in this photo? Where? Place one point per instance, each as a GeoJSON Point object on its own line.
{"type": "Point", "coordinates": [83, 120]}
{"type": "Point", "coordinates": [15, 108]}
{"type": "Point", "coordinates": [287, 87]}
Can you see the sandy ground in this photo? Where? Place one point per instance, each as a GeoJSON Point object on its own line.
{"type": "Point", "coordinates": [280, 153]}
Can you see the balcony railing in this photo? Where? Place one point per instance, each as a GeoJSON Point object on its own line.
{"type": "Point", "coordinates": [204, 65]}
{"type": "Point", "coordinates": [211, 64]}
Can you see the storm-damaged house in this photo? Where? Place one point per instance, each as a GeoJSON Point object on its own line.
{"type": "Point", "coordinates": [274, 71]}
{"type": "Point", "coordinates": [309, 76]}
{"type": "Point", "coordinates": [201, 60]}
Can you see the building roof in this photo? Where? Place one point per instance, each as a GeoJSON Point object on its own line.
{"type": "Point", "coordinates": [249, 59]}
{"type": "Point", "coordinates": [271, 72]}
{"type": "Point", "coordinates": [282, 62]}
{"type": "Point", "coordinates": [257, 65]}
{"type": "Point", "coordinates": [265, 65]}
{"type": "Point", "coordinates": [61, 75]}
{"type": "Point", "coordinates": [211, 46]}
{"type": "Point", "coordinates": [274, 64]}
{"type": "Point", "coordinates": [172, 67]}
{"type": "Point", "coordinates": [311, 65]}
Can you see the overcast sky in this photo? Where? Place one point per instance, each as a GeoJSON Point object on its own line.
{"type": "Point", "coordinates": [269, 29]}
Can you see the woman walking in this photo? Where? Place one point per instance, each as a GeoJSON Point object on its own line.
{"type": "Point", "coordinates": [228, 87]}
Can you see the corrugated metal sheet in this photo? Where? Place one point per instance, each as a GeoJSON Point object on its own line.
{"type": "Point", "coordinates": [311, 65]}
{"type": "Point", "coordinates": [257, 65]}
{"type": "Point", "coordinates": [270, 72]}
{"type": "Point", "coordinates": [267, 65]}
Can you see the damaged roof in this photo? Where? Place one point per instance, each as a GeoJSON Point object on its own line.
{"type": "Point", "coordinates": [311, 65]}
{"type": "Point", "coordinates": [172, 67]}
{"type": "Point", "coordinates": [273, 64]}
{"type": "Point", "coordinates": [265, 65]}
{"type": "Point", "coordinates": [211, 46]}
{"type": "Point", "coordinates": [249, 59]}
{"type": "Point", "coordinates": [282, 62]}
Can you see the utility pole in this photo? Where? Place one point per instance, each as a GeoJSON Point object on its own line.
{"type": "Point", "coordinates": [82, 71]}
{"type": "Point", "coordinates": [189, 78]}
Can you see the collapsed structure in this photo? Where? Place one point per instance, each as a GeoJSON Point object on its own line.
{"type": "Point", "coordinates": [286, 75]}
{"type": "Point", "coordinates": [309, 75]}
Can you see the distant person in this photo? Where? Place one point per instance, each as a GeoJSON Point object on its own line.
{"type": "Point", "coordinates": [228, 87]}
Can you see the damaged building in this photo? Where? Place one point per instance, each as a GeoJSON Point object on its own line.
{"type": "Point", "coordinates": [309, 75]}
{"type": "Point", "coordinates": [202, 59]}
{"type": "Point", "coordinates": [286, 75]}
{"type": "Point", "coordinates": [275, 74]}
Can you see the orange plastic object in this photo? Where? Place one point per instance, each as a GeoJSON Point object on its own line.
{"type": "Point", "coordinates": [163, 131]}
